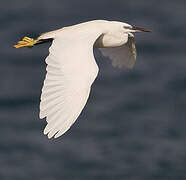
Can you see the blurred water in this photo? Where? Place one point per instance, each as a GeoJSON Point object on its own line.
{"type": "Point", "coordinates": [133, 126]}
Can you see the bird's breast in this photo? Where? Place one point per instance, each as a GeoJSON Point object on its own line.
{"type": "Point", "coordinates": [111, 40]}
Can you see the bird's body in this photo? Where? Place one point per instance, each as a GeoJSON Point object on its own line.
{"type": "Point", "coordinates": [71, 67]}
{"type": "Point", "coordinates": [113, 38]}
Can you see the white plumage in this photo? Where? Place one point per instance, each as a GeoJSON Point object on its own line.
{"type": "Point", "coordinates": [71, 70]}
{"type": "Point", "coordinates": [71, 67]}
{"type": "Point", "coordinates": [122, 56]}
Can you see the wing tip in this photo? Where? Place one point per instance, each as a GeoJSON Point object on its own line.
{"type": "Point", "coordinates": [54, 135]}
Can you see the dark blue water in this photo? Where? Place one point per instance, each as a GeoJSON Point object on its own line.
{"type": "Point", "coordinates": [133, 126]}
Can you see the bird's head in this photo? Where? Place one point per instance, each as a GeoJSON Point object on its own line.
{"type": "Point", "coordinates": [125, 28]}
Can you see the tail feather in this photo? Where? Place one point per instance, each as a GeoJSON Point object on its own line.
{"type": "Point", "coordinates": [49, 35]}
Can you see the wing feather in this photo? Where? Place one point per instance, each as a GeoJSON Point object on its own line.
{"type": "Point", "coordinates": [67, 83]}
{"type": "Point", "coordinates": [123, 56]}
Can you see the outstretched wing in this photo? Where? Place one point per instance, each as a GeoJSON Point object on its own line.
{"type": "Point", "coordinates": [71, 70]}
{"type": "Point", "coordinates": [122, 56]}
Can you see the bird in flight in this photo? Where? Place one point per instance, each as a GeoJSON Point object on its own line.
{"type": "Point", "coordinates": [71, 66]}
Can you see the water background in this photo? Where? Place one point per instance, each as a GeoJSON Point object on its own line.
{"type": "Point", "coordinates": [134, 124]}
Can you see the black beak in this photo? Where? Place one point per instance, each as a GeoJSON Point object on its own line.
{"type": "Point", "coordinates": [138, 29]}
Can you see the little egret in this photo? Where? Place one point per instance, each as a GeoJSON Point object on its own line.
{"type": "Point", "coordinates": [71, 67]}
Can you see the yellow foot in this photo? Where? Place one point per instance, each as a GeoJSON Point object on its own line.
{"type": "Point", "coordinates": [26, 42]}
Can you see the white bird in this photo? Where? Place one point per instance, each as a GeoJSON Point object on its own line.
{"type": "Point", "coordinates": [71, 67]}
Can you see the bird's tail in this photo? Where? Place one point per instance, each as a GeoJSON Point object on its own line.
{"type": "Point", "coordinates": [50, 35]}
{"type": "Point", "coordinates": [30, 42]}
